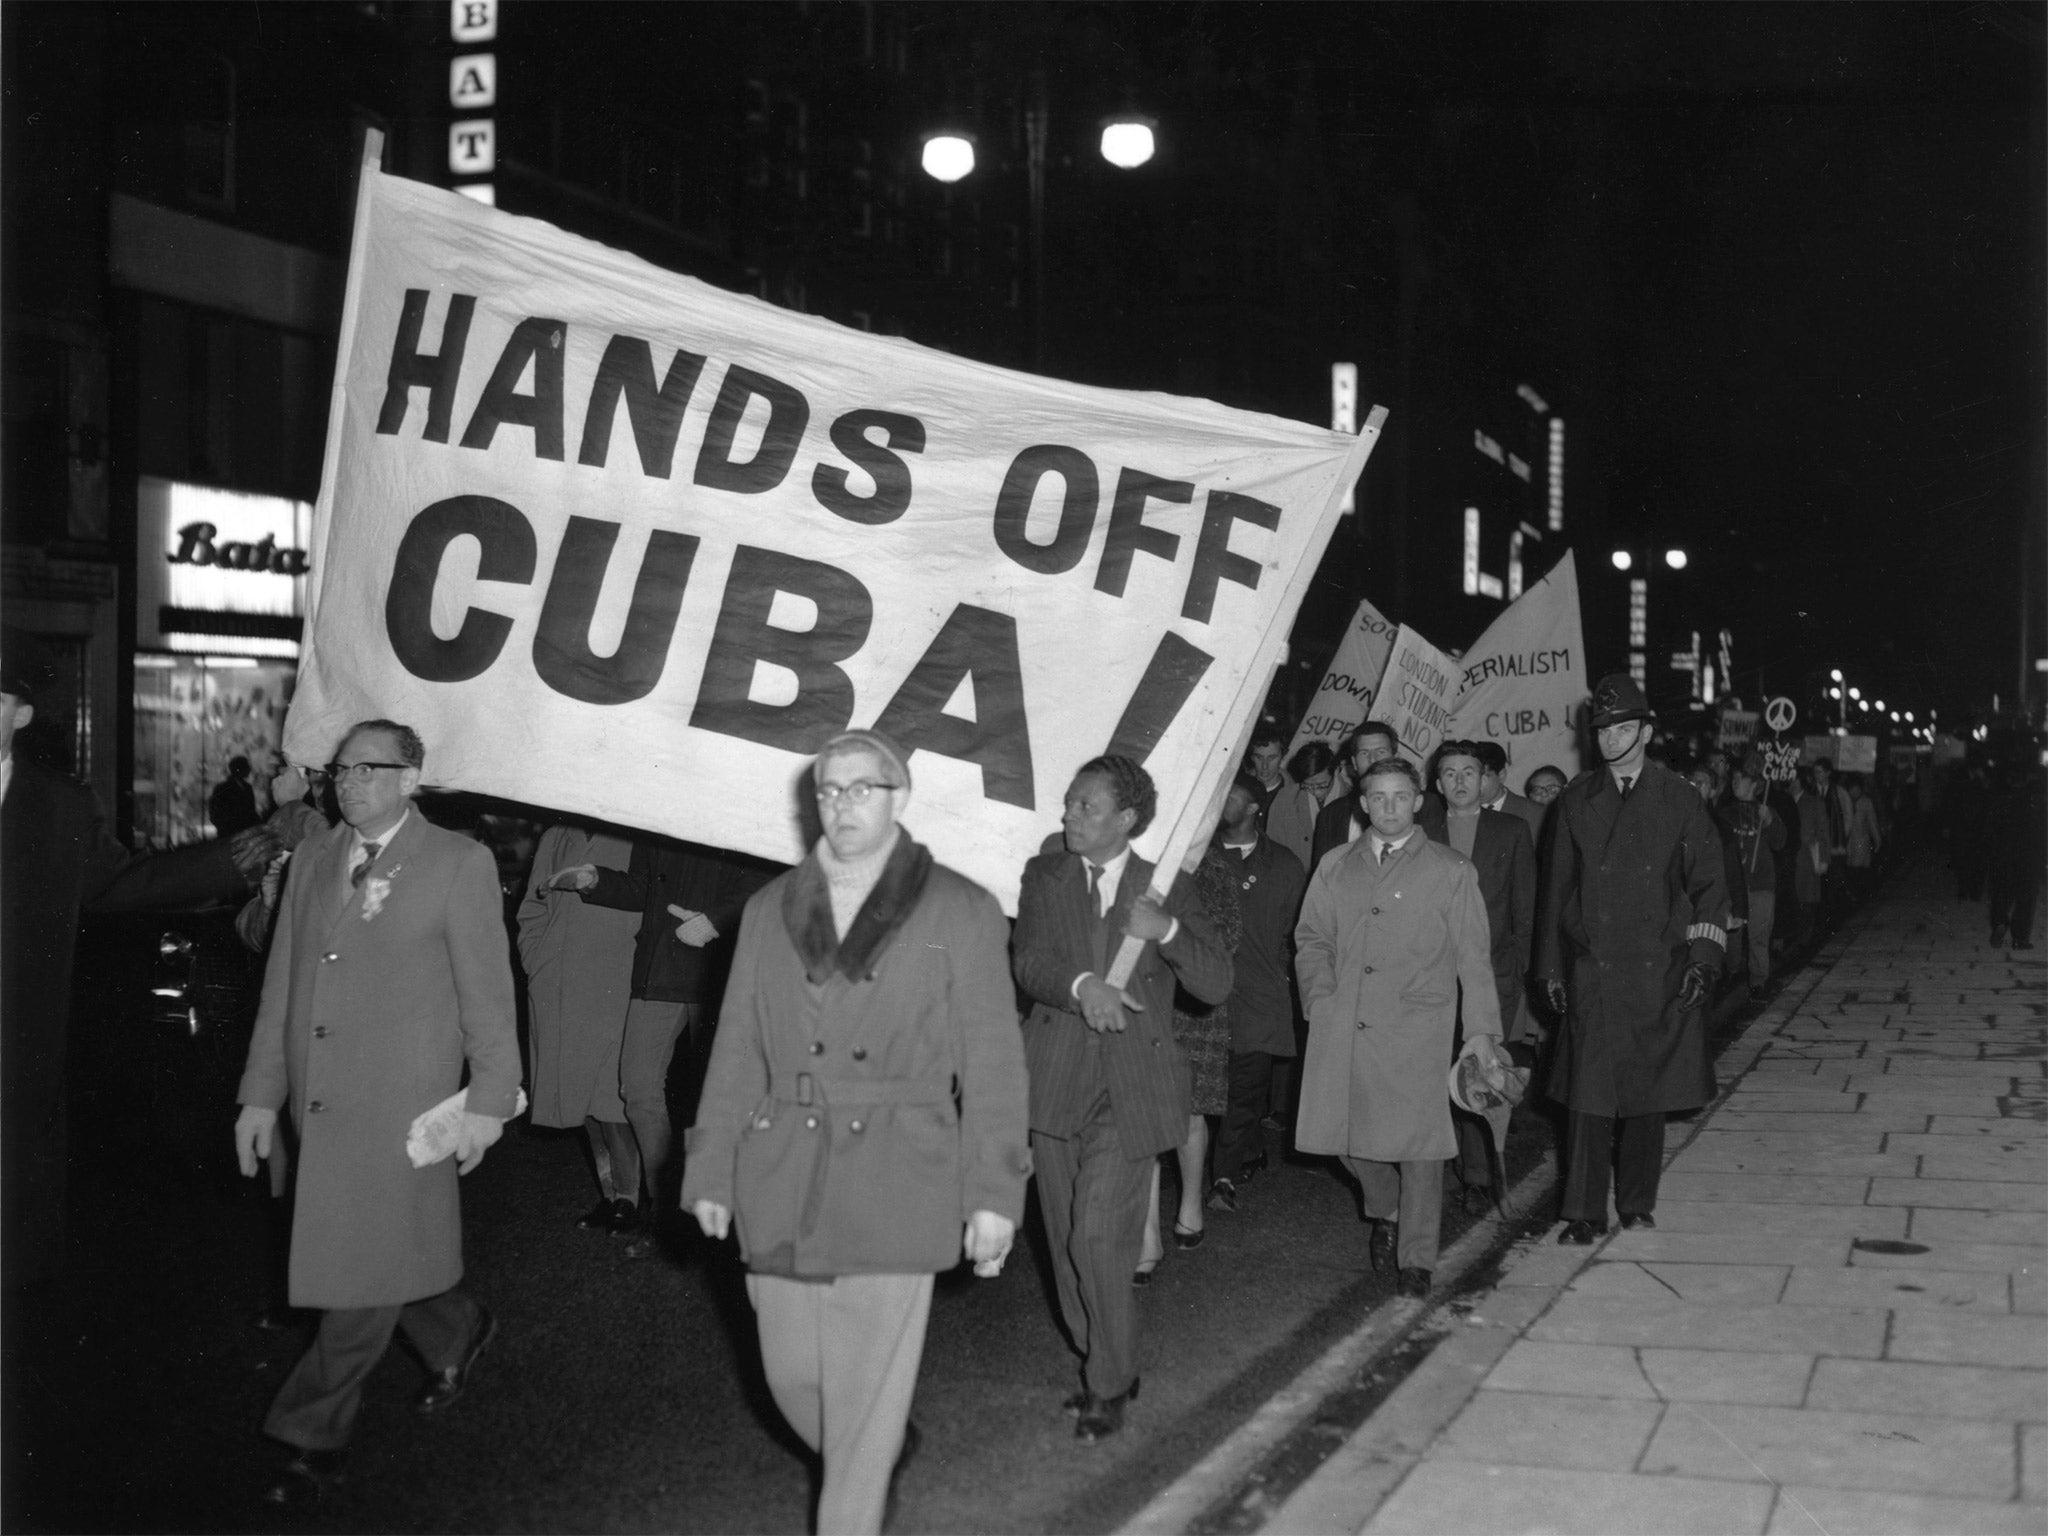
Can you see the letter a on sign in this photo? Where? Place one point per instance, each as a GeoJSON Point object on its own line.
{"type": "Point", "coordinates": [473, 81]}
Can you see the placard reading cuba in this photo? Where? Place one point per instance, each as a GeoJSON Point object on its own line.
{"type": "Point", "coordinates": [623, 544]}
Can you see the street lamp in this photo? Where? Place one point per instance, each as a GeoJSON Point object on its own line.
{"type": "Point", "coordinates": [1639, 615]}
{"type": "Point", "coordinates": [948, 155]}
{"type": "Point", "coordinates": [1675, 558]}
{"type": "Point", "coordinates": [1127, 140]}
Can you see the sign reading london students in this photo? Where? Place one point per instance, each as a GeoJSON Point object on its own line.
{"type": "Point", "coordinates": [622, 544]}
{"type": "Point", "coordinates": [1347, 688]}
{"type": "Point", "coordinates": [1415, 694]}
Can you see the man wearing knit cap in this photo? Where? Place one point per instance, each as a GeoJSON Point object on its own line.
{"type": "Point", "coordinates": [1635, 926]}
{"type": "Point", "coordinates": [1109, 1085]}
{"type": "Point", "coordinates": [863, 1119]}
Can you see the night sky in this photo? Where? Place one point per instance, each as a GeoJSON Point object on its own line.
{"type": "Point", "coordinates": [1800, 249]}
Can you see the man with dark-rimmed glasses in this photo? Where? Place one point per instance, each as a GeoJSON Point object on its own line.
{"type": "Point", "coordinates": [388, 971]}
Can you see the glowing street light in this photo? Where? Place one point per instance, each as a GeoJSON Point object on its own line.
{"type": "Point", "coordinates": [1127, 141]}
{"type": "Point", "coordinates": [1622, 559]}
{"type": "Point", "coordinates": [1878, 706]}
{"type": "Point", "coordinates": [1675, 558]}
{"type": "Point", "coordinates": [948, 156]}
{"type": "Point", "coordinates": [1856, 694]}
{"type": "Point", "coordinates": [1835, 673]}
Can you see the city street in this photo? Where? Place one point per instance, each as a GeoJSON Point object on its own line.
{"type": "Point", "coordinates": [619, 1395]}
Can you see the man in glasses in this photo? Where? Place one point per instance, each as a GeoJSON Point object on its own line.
{"type": "Point", "coordinates": [388, 971]}
{"type": "Point", "coordinates": [862, 1125]}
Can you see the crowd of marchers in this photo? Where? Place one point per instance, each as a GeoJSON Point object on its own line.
{"type": "Point", "coordinates": [1371, 962]}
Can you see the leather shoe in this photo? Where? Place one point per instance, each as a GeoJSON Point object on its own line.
{"type": "Point", "coordinates": [1478, 1200]}
{"type": "Point", "coordinates": [1077, 1402]}
{"type": "Point", "coordinates": [1581, 1234]}
{"type": "Point", "coordinates": [1380, 1247]}
{"type": "Point", "coordinates": [1142, 1275]}
{"type": "Point", "coordinates": [1630, 1220]}
{"type": "Point", "coordinates": [1102, 1416]}
{"type": "Point", "coordinates": [450, 1381]}
{"type": "Point", "coordinates": [609, 1216]}
{"type": "Point", "coordinates": [1414, 1282]}
{"type": "Point", "coordinates": [1223, 1196]}
{"type": "Point", "coordinates": [307, 1478]}
{"type": "Point", "coordinates": [1184, 1238]}
{"type": "Point", "coordinates": [1253, 1168]}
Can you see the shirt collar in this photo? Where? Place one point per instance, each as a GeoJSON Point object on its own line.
{"type": "Point", "coordinates": [1498, 803]}
{"type": "Point", "coordinates": [1381, 844]}
{"type": "Point", "coordinates": [358, 842]}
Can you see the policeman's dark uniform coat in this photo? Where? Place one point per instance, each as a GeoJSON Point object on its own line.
{"type": "Point", "coordinates": [1634, 893]}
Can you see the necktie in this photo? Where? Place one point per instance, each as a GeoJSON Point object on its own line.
{"type": "Point", "coordinates": [1094, 887]}
{"type": "Point", "coordinates": [1627, 785]}
{"type": "Point", "coordinates": [362, 870]}
{"type": "Point", "coordinates": [1386, 849]}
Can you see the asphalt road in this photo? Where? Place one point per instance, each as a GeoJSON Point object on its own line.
{"type": "Point", "coordinates": [620, 1395]}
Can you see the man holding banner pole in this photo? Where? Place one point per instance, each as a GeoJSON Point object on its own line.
{"type": "Point", "coordinates": [1109, 1085]}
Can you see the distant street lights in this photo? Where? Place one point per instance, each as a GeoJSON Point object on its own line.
{"type": "Point", "coordinates": [948, 156]}
{"type": "Point", "coordinates": [1639, 616]}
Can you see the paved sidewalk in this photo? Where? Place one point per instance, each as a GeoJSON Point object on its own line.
{"type": "Point", "coordinates": [1838, 1325]}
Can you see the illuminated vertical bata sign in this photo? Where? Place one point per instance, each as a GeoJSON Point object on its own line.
{"type": "Point", "coordinates": [473, 87]}
{"type": "Point", "coordinates": [1639, 630]}
{"type": "Point", "coordinates": [1556, 473]}
{"type": "Point", "coordinates": [1471, 551]}
{"type": "Point", "coordinates": [1344, 415]}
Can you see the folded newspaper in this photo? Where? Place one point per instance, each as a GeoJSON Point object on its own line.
{"type": "Point", "coordinates": [433, 1134]}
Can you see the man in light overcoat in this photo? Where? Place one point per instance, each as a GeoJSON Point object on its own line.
{"type": "Point", "coordinates": [1392, 926]}
{"type": "Point", "coordinates": [389, 971]}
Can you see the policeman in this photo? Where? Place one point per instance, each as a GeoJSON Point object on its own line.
{"type": "Point", "coordinates": [1636, 915]}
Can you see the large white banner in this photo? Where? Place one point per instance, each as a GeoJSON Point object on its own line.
{"type": "Point", "coordinates": [1523, 684]}
{"type": "Point", "coordinates": [1415, 695]}
{"type": "Point", "coordinates": [1349, 682]}
{"type": "Point", "coordinates": [623, 544]}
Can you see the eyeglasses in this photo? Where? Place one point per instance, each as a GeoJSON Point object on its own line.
{"type": "Point", "coordinates": [360, 772]}
{"type": "Point", "coordinates": [855, 793]}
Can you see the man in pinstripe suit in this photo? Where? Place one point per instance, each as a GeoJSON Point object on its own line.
{"type": "Point", "coordinates": [1109, 1086]}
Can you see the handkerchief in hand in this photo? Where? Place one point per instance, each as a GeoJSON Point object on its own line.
{"type": "Point", "coordinates": [433, 1134]}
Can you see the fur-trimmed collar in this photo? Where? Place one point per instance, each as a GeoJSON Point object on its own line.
{"type": "Point", "coordinates": [807, 913]}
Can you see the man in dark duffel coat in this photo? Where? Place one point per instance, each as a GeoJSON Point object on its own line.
{"type": "Point", "coordinates": [1634, 930]}
{"type": "Point", "coordinates": [1269, 881]}
{"type": "Point", "coordinates": [862, 1124]}
{"type": "Point", "coordinates": [1504, 862]}
{"type": "Point", "coordinates": [1109, 1085]}
{"type": "Point", "coordinates": [389, 969]}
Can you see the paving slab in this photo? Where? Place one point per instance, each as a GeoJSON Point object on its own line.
{"type": "Point", "coordinates": [2030, 1168]}
{"type": "Point", "coordinates": [1967, 1338]}
{"type": "Point", "coordinates": [1960, 1194]}
{"type": "Point", "coordinates": [1712, 1284]}
{"type": "Point", "coordinates": [1478, 1499]}
{"type": "Point", "coordinates": [1953, 1391]}
{"type": "Point", "coordinates": [1805, 1511]}
{"type": "Point", "coordinates": [1900, 1452]}
{"type": "Point", "coordinates": [1551, 1429]}
{"type": "Point", "coordinates": [2007, 1259]}
{"type": "Point", "coordinates": [1768, 1188]}
{"type": "Point", "coordinates": [1663, 1247]}
{"type": "Point", "coordinates": [1934, 1225]}
{"type": "Point", "coordinates": [2034, 1463]}
{"type": "Point", "coordinates": [1714, 1154]}
{"type": "Point", "coordinates": [1988, 1128]}
{"type": "Point", "coordinates": [1790, 1217]}
{"type": "Point", "coordinates": [1867, 1119]}
{"type": "Point", "coordinates": [1853, 1331]}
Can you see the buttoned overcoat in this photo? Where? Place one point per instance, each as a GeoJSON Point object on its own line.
{"type": "Point", "coordinates": [579, 973]}
{"type": "Point", "coordinates": [374, 998]}
{"type": "Point", "coordinates": [1381, 950]}
{"type": "Point", "coordinates": [1634, 892]}
{"type": "Point", "coordinates": [1058, 936]}
{"type": "Point", "coordinates": [853, 1122]}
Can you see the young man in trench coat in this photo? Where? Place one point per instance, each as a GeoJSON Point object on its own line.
{"type": "Point", "coordinates": [389, 970]}
{"type": "Point", "coordinates": [1392, 925]}
{"type": "Point", "coordinates": [1635, 926]}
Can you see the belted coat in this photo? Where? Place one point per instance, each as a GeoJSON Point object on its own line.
{"type": "Point", "coordinates": [1635, 891]}
{"type": "Point", "coordinates": [865, 1095]}
{"type": "Point", "coordinates": [1380, 951]}
{"type": "Point", "coordinates": [374, 999]}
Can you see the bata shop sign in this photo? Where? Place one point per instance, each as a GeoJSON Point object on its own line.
{"type": "Point", "coordinates": [219, 570]}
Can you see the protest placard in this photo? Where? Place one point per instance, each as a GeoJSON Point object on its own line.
{"type": "Point", "coordinates": [622, 544]}
{"type": "Point", "coordinates": [1856, 754]}
{"type": "Point", "coordinates": [1415, 693]}
{"type": "Point", "coordinates": [1781, 760]}
{"type": "Point", "coordinates": [1819, 749]}
{"type": "Point", "coordinates": [1349, 681]}
{"type": "Point", "coordinates": [1523, 683]}
{"type": "Point", "coordinates": [1738, 730]}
